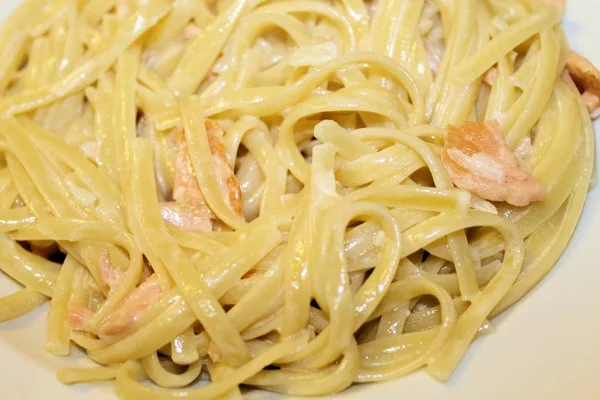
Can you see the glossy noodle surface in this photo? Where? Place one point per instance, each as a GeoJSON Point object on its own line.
{"type": "Point", "coordinates": [292, 196]}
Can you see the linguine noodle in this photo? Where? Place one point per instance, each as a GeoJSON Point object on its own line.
{"type": "Point", "coordinates": [292, 196]}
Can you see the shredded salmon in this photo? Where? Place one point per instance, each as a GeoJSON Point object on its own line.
{"type": "Point", "coordinates": [189, 209]}
{"type": "Point", "coordinates": [479, 161]}
{"type": "Point", "coordinates": [187, 217]}
{"type": "Point", "coordinates": [77, 316]}
{"type": "Point", "coordinates": [587, 78]}
{"type": "Point", "coordinates": [130, 310]}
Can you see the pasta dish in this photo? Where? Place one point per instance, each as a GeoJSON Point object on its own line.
{"type": "Point", "coordinates": [284, 195]}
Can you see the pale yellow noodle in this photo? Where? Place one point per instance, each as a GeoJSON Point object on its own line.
{"type": "Point", "coordinates": [350, 256]}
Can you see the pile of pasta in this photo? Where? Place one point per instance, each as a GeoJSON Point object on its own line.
{"type": "Point", "coordinates": [293, 196]}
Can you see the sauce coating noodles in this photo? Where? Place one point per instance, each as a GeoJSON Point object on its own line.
{"type": "Point", "coordinates": [293, 196]}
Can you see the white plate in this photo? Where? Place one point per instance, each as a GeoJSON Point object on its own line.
{"type": "Point", "coordinates": [546, 347]}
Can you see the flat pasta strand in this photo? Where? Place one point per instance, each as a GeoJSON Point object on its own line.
{"type": "Point", "coordinates": [292, 196]}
